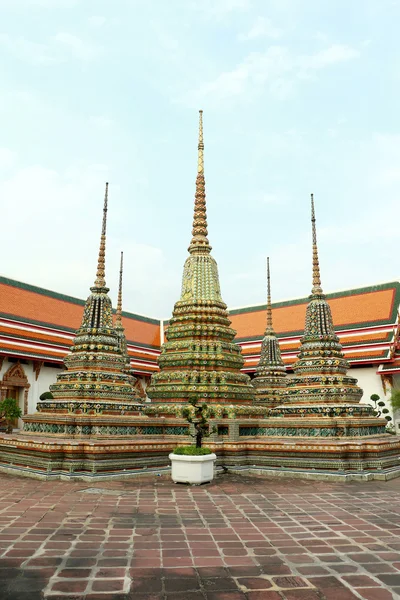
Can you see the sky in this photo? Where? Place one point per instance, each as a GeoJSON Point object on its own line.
{"type": "Point", "coordinates": [299, 96]}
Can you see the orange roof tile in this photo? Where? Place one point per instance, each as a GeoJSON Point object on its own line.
{"type": "Point", "coordinates": [41, 312]}
{"type": "Point", "coordinates": [356, 308]}
{"type": "Point", "coordinates": [32, 304]}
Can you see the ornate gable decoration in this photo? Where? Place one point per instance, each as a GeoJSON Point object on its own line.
{"type": "Point", "coordinates": [16, 376]}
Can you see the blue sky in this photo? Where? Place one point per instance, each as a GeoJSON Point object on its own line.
{"type": "Point", "coordinates": [299, 96]}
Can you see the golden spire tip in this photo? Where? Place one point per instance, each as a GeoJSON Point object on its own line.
{"type": "Point", "coordinates": [100, 275]}
{"type": "Point", "coordinates": [199, 240]}
{"type": "Point", "coordinates": [200, 158]}
{"type": "Point", "coordinates": [316, 289]}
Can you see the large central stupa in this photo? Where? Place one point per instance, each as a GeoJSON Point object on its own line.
{"type": "Point", "coordinates": [200, 358]}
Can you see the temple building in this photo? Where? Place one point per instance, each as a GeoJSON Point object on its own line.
{"type": "Point", "coordinates": [37, 327]}
{"type": "Point", "coordinates": [119, 384]}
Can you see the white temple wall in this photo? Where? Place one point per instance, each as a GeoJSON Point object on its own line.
{"type": "Point", "coordinates": [396, 386]}
{"type": "Point", "coordinates": [371, 383]}
{"type": "Point", "coordinates": [48, 376]}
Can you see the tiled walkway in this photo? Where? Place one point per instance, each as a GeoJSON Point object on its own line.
{"type": "Point", "coordinates": [235, 539]}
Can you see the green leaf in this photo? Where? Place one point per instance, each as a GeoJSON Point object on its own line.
{"type": "Point", "coordinates": [191, 451]}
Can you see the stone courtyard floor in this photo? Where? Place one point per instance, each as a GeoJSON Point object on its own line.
{"type": "Point", "coordinates": [235, 539]}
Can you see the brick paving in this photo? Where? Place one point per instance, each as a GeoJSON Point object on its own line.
{"type": "Point", "coordinates": [239, 538]}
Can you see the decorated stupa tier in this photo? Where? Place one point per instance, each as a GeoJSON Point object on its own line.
{"type": "Point", "coordinates": [270, 380]}
{"type": "Point", "coordinates": [200, 357]}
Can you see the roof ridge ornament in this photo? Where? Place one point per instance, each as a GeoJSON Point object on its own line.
{"type": "Point", "coordinates": [100, 281]}
{"type": "Point", "coordinates": [316, 289]}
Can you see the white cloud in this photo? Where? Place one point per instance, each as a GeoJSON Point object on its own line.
{"type": "Point", "coordinates": [96, 21]}
{"type": "Point", "coordinates": [56, 4]}
{"type": "Point", "coordinates": [59, 219]}
{"type": "Point", "coordinates": [277, 68]}
{"type": "Point", "coordinates": [49, 52]}
{"type": "Point", "coordinates": [218, 9]}
{"type": "Point", "coordinates": [334, 54]}
{"type": "Point", "coordinates": [386, 162]}
{"type": "Point", "coordinates": [33, 52]}
{"type": "Point", "coordinates": [272, 198]}
{"type": "Point", "coordinates": [262, 27]}
{"type": "Point", "coordinates": [8, 158]}
{"type": "Point", "coordinates": [77, 47]}
{"type": "Point", "coordinates": [101, 122]}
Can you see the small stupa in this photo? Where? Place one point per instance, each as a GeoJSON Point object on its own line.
{"type": "Point", "coordinates": [97, 381]}
{"type": "Point", "coordinates": [200, 357]}
{"type": "Point", "coordinates": [321, 385]}
{"type": "Point", "coordinates": [119, 328]}
{"type": "Point", "coordinates": [270, 380]}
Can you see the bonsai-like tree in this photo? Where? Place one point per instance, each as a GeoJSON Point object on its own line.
{"type": "Point", "coordinates": [46, 396]}
{"type": "Point", "coordinates": [9, 410]}
{"type": "Point", "coordinates": [380, 409]}
{"type": "Point", "coordinates": [199, 419]}
{"type": "Point", "coordinates": [377, 402]}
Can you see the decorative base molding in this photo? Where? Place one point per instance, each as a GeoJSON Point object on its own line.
{"type": "Point", "coordinates": [361, 459]}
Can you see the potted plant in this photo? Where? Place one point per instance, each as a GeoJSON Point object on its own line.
{"type": "Point", "coordinates": [9, 410]}
{"type": "Point", "coordinates": [46, 396]}
{"type": "Point", "coordinates": [194, 464]}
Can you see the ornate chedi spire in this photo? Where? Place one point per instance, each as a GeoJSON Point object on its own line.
{"type": "Point", "coordinates": [96, 365]}
{"type": "Point", "coordinates": [270, 379]}
{"type": "Point", "coordinates": [118, 323]}
{"type": "Point", "coordinates": [199, 242]}
{"type": "Point", "coordinates": [100, 282]}
{"type": "Point", "coordinates": [321, 367]}
{"type": "Point", "coordinates": [200, 358]}
{"type": "Point", "coordinates": [323, 401]}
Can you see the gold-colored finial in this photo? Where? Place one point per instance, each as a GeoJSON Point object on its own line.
{"type": "Point", "coordinates": [269, 306]}
{"type": "Point", "coordinates": [316, 289]}
{"type": "Point", "coordinates": [200, 157]}
{"type": "Point", "coordinates": [118, 312]}
{"type": "Point", "coordinates": [199, 242]}
{"type": "Point", "coordinates": [100, 275]}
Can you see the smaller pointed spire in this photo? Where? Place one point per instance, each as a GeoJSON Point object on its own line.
{"type": "Point", "coordinates": [270, 376]}
{"type": "Point", "coordinates": [100, 275]}
{"type": "Point", "coordinates": [199, 232]}
{"type": "Point", "coordinates": [118, 319]}
{"type": "Point", "coordinates": [269, 306]}
{"type": "Point", "coordinates": [316, 289]}
{"type": "Point", "coordinates": [200, 146]}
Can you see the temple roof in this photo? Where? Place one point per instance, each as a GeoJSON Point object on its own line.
{"type": "Point", "coordinates": [39, 323]}
{"type": "Point", "coordinates": [365, 320]}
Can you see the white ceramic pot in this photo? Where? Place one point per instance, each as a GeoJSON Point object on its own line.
{"type": "Point", "coordinates": [192, 469]}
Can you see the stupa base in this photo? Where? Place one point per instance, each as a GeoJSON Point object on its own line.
{"type": "Point", "coordinates": [350, 459]}
{"type": "Point", "coordinates": [320, 475]}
